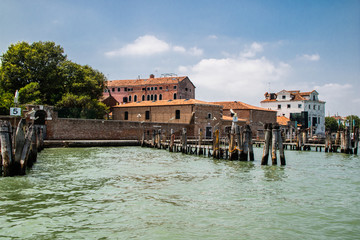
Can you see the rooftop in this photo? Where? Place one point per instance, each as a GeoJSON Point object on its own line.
{"type": "Point", "coordinates": [143, 82]}
{"type": "Point", "coordinates": [166, 103]}
{"type": "Point", "coordinates": [237, 105]}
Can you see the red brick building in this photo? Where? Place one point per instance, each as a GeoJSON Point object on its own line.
{"type": "Point", "coordinates": [151, 89]}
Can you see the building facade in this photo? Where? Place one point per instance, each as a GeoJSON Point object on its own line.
{"type": "Point", "coordinates": [303, 107]}
{"type": "Point", "coordinates": [196, 113]}
{"type": "Point", "coordinates": [151, 89]}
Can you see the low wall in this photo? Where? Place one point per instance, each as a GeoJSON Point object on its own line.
{"type": "Point", "coordinates": [90, 129]}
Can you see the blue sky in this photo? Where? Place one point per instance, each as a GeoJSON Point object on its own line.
{"type": "Point", "coordinates": [231, 50]}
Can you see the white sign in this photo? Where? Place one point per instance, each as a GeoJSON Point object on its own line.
{"type": "Point", "coordinates": [15, 111]}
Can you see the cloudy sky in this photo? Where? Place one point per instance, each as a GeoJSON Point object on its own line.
{"type": "Point", "coordinates": [231, 50]}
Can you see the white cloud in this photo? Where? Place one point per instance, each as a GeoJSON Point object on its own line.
{"type": "Point", "coordinates": [179, 49]}
{"type": "Point", "coordinates": [142, 46]}
{"type": "Point", "coordinates": [313, 57]}
{"type": "Point", "coordinates": [195, 51]}
{"type": "Point", "coordinates": [212, 37]}
{"type": "Point", "coordinates": [148, 45]}
{"type": "Point", "coordinates": [234, 78]}
{"type": "Point", "coordinates": [252, 50]}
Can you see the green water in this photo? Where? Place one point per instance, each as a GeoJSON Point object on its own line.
{"type": "Point", "coordinates": [139, 193]}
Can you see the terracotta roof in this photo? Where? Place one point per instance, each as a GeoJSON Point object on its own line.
{"type": "Point", "coordinates": [282, 120]}
{"type": "Point", "coordinates": [236, 105]}
{"type": "Point", "coordinates": [298, 96]}
{"type": "Point", "coordinates": [143, 82]}
{"type": "Point", "coordinates": [268, 100]}
{"type": "Point", "coordinates": [166, 103]}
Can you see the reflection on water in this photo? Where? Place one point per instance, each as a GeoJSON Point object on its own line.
{"type": "Point", "coordinates": [139, 193]}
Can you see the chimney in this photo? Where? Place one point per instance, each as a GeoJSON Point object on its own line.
{"type": "Point", "coordinates": [152, 76]}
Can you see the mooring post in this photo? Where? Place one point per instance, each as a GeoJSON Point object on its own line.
{"type": "Point", "coordinates": [250, 145]}
{"type": "Point", "coordinates": [245, 136]}
{"type": "Point", "coordinates": [356, 140]}
{"type": "Point", "coordinates": [6, 148]}
{"type": "Point", "coordinates": [19, 144]}
{"type": "Point", "coordinates": [216, 143]}
{"type": "Point", "coordinates": [337, 139]}
{"type": "Point", "coordinates": [233, 153]}
{"type": "Point", "coordinates": [347, 141]}
{"type": "Point", "coordinates": [274, 144]}
{"type": "Point", "coordinates": [265, 157]}
{"type": "Point", "coordinates": [184, 141]}
{"type": "Point", "coordinates": [240, 140]}
{"type": "Point", "coordinates": [281, 148]}
{"type": "Point", "coordinates": [26, 150]}
{"type": "Point", "coordinates": [200, 152]}
{"type": "Point", "coordinates": [342, 141]}
{"type": "Point", "coordinates": [327, 140]}
{"type": "Point", "coordinates": [172, 140]}
{"type": "Point", "coordinates": [33, 149]}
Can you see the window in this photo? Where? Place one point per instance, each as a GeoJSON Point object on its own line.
{"type": "Point", "coordinates": [155, 88]}
{"type": "Point", "coordinates": [177, 114]}
{"type": "Point", "coordinates": [135, 98]}
{"type": "Point", "coordinates": [125, 89]}
{"type": "Point", "coordinates": [209, 116]}
{"type": "Point", "coordinates": [113, 89]}
{"type": "Point", "coordinates": [147, 115]}
{"type": "Point", "coordinates": [283, 97]}
{"type": "Point", "coordinates": [125, 99]}
{"type": "Point", "coordinates": [186, 89]}
{"type": "Point", "coordinates": [279, 106]}
{"type": "Point", "coordinates": [289, 106]}
{"type": "Point", "coordinates": [152, 88]}
{"type": "Point", "coordinates": [174, 87]}
{"type": "Point", "coordinates": [126, 116]}
{"type": "Point", "coordinates": [175, 95]}
{"type": "Point", "coordinates": [143, 89]}
{"type": "Point", "coordinates": [129, 98]}
{"type": "Point", "coordinates": [314, 98]}
{"type": "Point", "coordinates": [160, 88]}
{"type": "Point", "coordinates": [155, 97]}
{"type": "Point", "coordinates": [148, 97]}
{"type": "Point", "coordinates": [160, 96]}
{"type": "Point", "coordinates": [314, 107]}
{"type": "Point", "coordinates": [299, 105]}
{"type": "Point", "coordinates": [118, 89]}
{"type": "Point", "coordinates": [143, 98]}
{"type": "Point", "coordinates": [152, 97]}
{"type": "Point", "coordinates": [148, 89]}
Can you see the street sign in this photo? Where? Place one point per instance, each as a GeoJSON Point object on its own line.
{"type": "Point", "coordinates": [15, 111]}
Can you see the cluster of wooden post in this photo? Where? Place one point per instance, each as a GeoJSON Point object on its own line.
{"type": "Point", "coordinates": [240, 144]}
{"type": "Point", "coordinates": [348, 143]}
{"type": "Point", "coordinates": [273, 138]}
{"type": "Point", "coordinates": [21, 153]}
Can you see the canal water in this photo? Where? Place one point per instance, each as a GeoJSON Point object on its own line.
{"type": "Point", "coordinates": [141, 193]}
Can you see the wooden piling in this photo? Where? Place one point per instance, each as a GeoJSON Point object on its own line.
{"type": "Point", "coordinates": [356, 140]}
{"type": "Point", "coordinates": [200, 152]}
{"type": "Point", "coordinates": [250, 145]}
{"type": "Point", "coordinates": [281, 149]}
{"type": "Point", "coordinates": [216, 143]}
{"type": "Point", "coordinates": [274, 144]}
{"type": "Point", "coordinates": [33, 150]}
{"type": "Point", "coordinates": [233, 152]}
{"type": "Point", "coordinates": [172, 140]}
{"type": "Point", "coordinates": [19, 144]}
{"type": "Point", "coordinates": [184, 141]}
{"type": "Point", "coordinates": [24, 159]}
{"type": "Point", "coordinates": [6, 148]}
{"type": "Point", "coordinates": [265, 157]}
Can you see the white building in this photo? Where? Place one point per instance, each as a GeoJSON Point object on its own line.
{"type": "Point", "coordinates": [303, 107]}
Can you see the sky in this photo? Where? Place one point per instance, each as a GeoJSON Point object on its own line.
{"type": "Point", "coordinates": [230, 50]}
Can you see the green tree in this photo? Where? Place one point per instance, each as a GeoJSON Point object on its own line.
{"type": "Point", "coordinates": [331, 124]}
{"type": "Point", "coordinates": [6, 101]}
{"type": "Point", "coordinates": [43, 75]}
{"type": "Point", "coordinates": [352, 118]}
{"type": "Point", "coordinates": [39, 62]}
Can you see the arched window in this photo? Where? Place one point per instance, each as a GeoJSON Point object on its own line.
{"type": "Point", "coordinates": [143, 98]}
{"type": "Point", "coordinates": [152, 97]}
{"type": "Point", "coordinates": [135, 98]}
{"type": "Point", "coordinates": [160, 96]}
{"type": "Point", "coordinates": [177, 114]}
{"type": "Point", "coordinates": [155, 97]}
{"type": "Point", "coordinates": [148, 97]}
{"type": "Point", "coordinates": [175, 95]}
{"type": "Point", "coordinates": [130, 98]}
